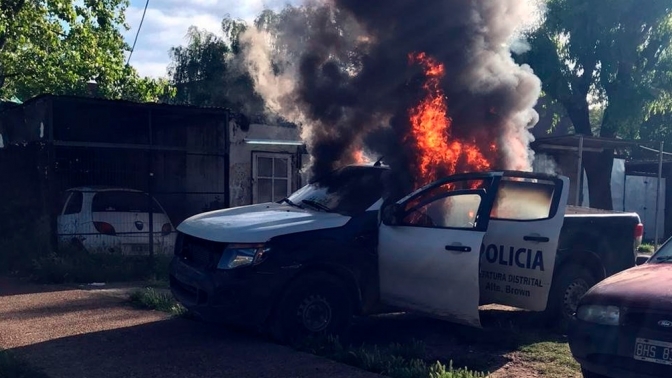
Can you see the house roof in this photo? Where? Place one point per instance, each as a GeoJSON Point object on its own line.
{"type": "Point", "coordinates": [590, 143]}
{"type": "Point", "coordinates": [127, 103]}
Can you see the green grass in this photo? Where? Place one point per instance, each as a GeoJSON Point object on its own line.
{"type": "Point", "coordinates": [646, 248]}
{"type": "Point", "coordinates": [151, 299]}
{"type": "Point", "coordinates": [543, 350]}
{"type": "Point", "coordinates": [551, 359]}
{"type": "Point", "coordinates": [14, 367]}
{"type": "Point", "coordinates": [394, 360]}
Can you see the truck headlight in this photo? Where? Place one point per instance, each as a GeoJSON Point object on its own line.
{"type": "Point", "coordinates": [606, 315]}
{"type": "Point", "coordinates": [239, 255]}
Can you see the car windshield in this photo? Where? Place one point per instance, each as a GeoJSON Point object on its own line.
{"type": "Point", "coordinates": [348, 191]}
{"type": "Point", "coordinates": [664, 253]}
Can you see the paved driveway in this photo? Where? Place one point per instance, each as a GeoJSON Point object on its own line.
{"type": "Point", "coordinates": [71, 332]}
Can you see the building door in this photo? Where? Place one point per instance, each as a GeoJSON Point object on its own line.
{"type": "Point", "coordinates": [271, 176]}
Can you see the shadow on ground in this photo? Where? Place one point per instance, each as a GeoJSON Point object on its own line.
{"type": "Point", "coordinates": [484, 349]}
{"type": "Point", "coordinates": [174, 348]}
{"type": "Point", "coordinates": [14, 286]}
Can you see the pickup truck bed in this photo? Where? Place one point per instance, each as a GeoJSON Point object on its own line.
{"type": "Point", "coordinates": [593, 244]}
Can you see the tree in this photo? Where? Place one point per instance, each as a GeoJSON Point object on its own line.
{"type": "Point", "coordinates": [615, 56]}
{"type": "Point", "coordinates": [205, 72]}
{"type": "Point", "coordinates": [57, 46]}
{"type": "Point", "coordinates": [198, 70]}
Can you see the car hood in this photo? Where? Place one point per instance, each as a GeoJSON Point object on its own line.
{"type": "Point", "coordinates": [645, 286]}
{"type": "Point", "coordinates": [257, 223]}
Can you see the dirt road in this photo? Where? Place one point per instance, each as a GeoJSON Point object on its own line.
{"type": "Point", "coordinates": [71, 332]}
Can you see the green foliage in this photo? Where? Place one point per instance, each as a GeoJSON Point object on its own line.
{"type": "Point", "coordinates": [395, 360]}
{"type": "Point", "coordinates": [205, 73]}
{"type": "Point", "coordinates": [617, 56]}
{"type": "Point", "coordinates": [439, 370]}
{"type": "Point", "coordinates": [13, 367]}
{"type": "Point", "coordinates": [210, 70]}
{"type": "Point", "coordinates": [57, 46]}
{"type": "Point", "coordinates": [550, 358]}
{"type": "Point", "coordinates": [152, 299]}
{"type": "Point", "coordinates": [646, 248]}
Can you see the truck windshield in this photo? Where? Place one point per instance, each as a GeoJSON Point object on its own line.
{"type": "Point", "coordinates": [664, 253]}
{"type": "Point", "coordinates": [348, 191]}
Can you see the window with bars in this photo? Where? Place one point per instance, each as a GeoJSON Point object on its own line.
{"type": "Point", "coordinates": [272, 177]}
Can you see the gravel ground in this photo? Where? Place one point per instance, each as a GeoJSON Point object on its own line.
{"type": "Point", "coordinates": [81, 332]}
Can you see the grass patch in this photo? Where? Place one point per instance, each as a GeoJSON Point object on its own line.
{"type": "Point", "coordinates": [151, 299]}
{"type": "Point", "coordinates": [646, 248]}
{"type": "Point", "coordinates": [394, 360]}
{"type": "Point", "coordinates": [76, 266]}
{"type": "Point", "coordinates": [551, 359]}
{"type": "Point", "coordinates": [14, 367]}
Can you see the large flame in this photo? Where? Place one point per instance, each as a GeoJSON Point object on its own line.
{"type": "Point", "coordinates": [436, 153]}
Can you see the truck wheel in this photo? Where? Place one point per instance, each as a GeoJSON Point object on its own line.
{"type": "Point", "coordinates": [569, 287]}
{"type": "Point", "coordinates": [315, 305]}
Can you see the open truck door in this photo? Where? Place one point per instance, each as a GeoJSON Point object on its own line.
{"type": "Point", "coordinates": [519, 248]}
{"type": "Point", "coordinates": [429, 247]}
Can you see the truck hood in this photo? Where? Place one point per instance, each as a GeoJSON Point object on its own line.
{"type": "Point", "coordinates": [257, 223]}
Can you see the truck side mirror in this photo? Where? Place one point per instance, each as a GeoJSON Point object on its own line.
{"type": "Point", "coordinates": [391, 214]}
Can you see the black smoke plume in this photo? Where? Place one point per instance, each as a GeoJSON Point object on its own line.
{"type": "Point", "coordinates": [341, 69]}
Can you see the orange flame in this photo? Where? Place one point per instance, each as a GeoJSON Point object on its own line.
{"type": "Point", "coordinates": [358, 157]}
{"type": "Point", "coordinates": [437, 153]}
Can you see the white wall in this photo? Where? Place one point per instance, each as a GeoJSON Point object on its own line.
{"type": "Point", "coordinates": [240, 179]}
{"type": "Point", "coordinates": [640, 197]}
{"type": "Point", "coordinates": [635, 194]}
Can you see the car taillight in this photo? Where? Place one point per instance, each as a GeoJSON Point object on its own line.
{"type": "Point", "coordinates": [105, 228]}
{"type": "Point", "coordinates": [639, 231]}
{"type": "Point", "coordinates": [166, 229]}
{"type": "Point", "coordinates": [638, 234]}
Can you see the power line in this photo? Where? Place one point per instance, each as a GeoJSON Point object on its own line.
{"type": "Point", "coordinates": [137, 33]}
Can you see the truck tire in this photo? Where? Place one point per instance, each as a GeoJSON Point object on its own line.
{"type": "Point", "coordinates": [315, 305]}
{"type": "Point", "coordinates": [568, 288]}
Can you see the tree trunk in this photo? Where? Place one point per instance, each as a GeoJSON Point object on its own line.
{"type": "Point", "coordinates": [598, 166]}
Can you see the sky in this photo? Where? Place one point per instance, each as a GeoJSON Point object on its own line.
{"type": "Point", "coordinates": [166, 23]}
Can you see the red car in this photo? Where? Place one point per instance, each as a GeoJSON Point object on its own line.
{"type": "Point", "coordinates": [623, 325]}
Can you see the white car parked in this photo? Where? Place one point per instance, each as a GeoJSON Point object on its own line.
{"type": "Point", "coordinates": [113, 220]}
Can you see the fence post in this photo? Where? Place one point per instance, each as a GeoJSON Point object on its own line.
{"type": "Point", "coordinates": [660, 177]}
{"type": "Point", "coordinates": [579, 174]}
{"type": "Point", "coordinates": [150, 190]}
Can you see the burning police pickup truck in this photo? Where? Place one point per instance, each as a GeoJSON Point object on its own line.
{"type": "Point", "coordinates": [337, 248]}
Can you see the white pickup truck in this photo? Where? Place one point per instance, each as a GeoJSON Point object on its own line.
{"type": "Point", "coordinates": [336, 248]}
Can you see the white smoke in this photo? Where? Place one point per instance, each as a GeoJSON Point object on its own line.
{"type": "Point", "coordinates": [544, 163]}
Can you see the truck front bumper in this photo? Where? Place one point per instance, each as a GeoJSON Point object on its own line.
{"type": "Point", "coordinates": [243, 297]}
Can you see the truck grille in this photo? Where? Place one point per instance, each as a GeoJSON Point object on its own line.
{"type": "Point", "coordinates": [199, 253]}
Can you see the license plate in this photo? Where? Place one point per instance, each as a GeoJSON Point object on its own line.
{"type": "Point", "coordinates": [659, 352]}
